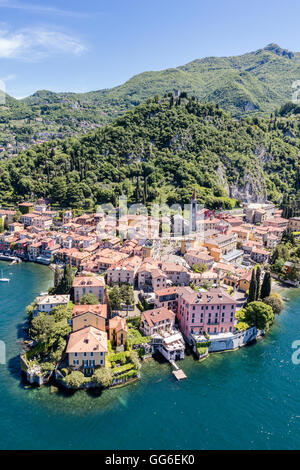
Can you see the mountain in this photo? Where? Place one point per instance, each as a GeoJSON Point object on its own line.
{"type": "Point", "coordinates": [255, 83]}
{"type": "Point", "coordinates": [258, 82]}
{"type": "Point", "coordinates": [160, 151]}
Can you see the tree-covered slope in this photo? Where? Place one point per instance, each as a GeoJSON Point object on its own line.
{"type": "Point", "coordinates": [251, 84]}
{"type": "Point", "coordinates": [161, 151]}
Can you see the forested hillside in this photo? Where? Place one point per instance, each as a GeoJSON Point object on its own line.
{"type": "Point", "coordinates": [255, 83]}
{"type": "Point", "coordinates": [161, 151]}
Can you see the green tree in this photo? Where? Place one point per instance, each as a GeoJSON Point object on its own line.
{"type": "Point", "coordinates": [277, 267]}
{"type": "Point", "coordinates": [66, 282]}
{"type": "Point", "coordinates": [42, 328]}
{"type": "Point", "coordinates": [115, 299]}
{"type": "Point", "coordinates": [134, 358]}
{"type": "Point", "coordinates": [89, 299]}
{"type": "Point", "coordinates": [102, 376]}
{"type": "Point", "coordinates": [57, 276]}
{"type": "Point", "coordinates": [258, 275]}
{"type": "Point", "coordinates": [266, 286]}
{"type": "Point", "coordinates": [253, 288]}
{"type": "Point", "coordinates": [259, 314]}
{"type": "Point", "coordinates": [276, 302]}
{"type": "Point", "coordinates": [75, 379]}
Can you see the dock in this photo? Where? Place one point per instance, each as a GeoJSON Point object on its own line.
{"type": "Point", "coordinates": [12, 259]}
{"type": "Point", "coordinates": [178, 373]}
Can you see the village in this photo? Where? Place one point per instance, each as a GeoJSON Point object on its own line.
{"type": "Point", "coordinates": [134, 294]}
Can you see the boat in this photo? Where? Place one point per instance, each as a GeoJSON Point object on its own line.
{"type": "Point", "coordinates": [3, 279]}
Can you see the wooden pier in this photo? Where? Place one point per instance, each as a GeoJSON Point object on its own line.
{"type": "Point", "coordinates": [178, 373]}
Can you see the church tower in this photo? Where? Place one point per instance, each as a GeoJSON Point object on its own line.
{"type": "Point", "coordinates": [193, 213]}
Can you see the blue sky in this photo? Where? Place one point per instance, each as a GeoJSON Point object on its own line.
{"type": "Point", "coordinates": [93, 44]}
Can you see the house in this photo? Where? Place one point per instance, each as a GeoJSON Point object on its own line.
{"type": "Point", "coordinates": [124, 272]}
{"type": "Point", "coordinates": [15, 227]}
{"type": "Point", "coordinates": [244, 281]}
{"type": "Point", "coordinates": [167, 298]}
{"type": "Point", "coordinates": [108, 258]}
{"type": "Point", "coordinates": [26, 207]}
{"type": "Point", "coordinates": [156, 320]}
{"type": "Point", "coordinates": [212, 312]}
{"type": "Point", "coordinates": [294, 224]}
{"type": "Point", "coordinates": [175, 272]}
{"type": "Point", "coordinates": [83, 285]}
{"type": "Point", "coordinates": [199, 257]}
{"type": "Point", "coordinates": [149, 275]}
{"type": "Point", "coordinates": [34, 250]}
{"type": "Point", "coordinates": [27, 218]}
{"type": "Point", "coordinates": [46, 303]}
{"type": "Point", "coordinates": [89, 315]}
{"type": "Point", "coordinates": [169, 343]}
{"type": "Point", "coordinates": [259, 255]}
{"type": "Point", "coordinates": [87, 349]}
{"type": "Point", "coordinates": [226, 243]}
{"type": "Point", "coordinates": [8, 216]}
{"type": "Point", "coordinates": [117, 331]}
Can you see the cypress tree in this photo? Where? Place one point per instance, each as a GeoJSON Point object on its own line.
{"type": "Point", "coordinates": [258, 274]}
{"type": "Point", "coordinates": [266, 286]}
{"type": "Point", "coordinates": [66, 282]}
{"type": "Point", "coordinates": [57, 276]}
{"type": "Point", "coordinates": [252, 288]}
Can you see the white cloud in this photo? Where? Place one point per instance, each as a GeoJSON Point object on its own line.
{"type": "Point", "coordinates": [37, 43]}
{"type": "Point", "coordinates": [40, 8]}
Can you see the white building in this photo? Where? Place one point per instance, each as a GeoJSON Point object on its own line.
{"type": "Point", "coordinates": [169, 343]}
{"type": "Point", "coordinates": [46, 303]}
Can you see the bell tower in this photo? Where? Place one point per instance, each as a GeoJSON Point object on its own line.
{"type": "Point", "coordinates": [193, 213]}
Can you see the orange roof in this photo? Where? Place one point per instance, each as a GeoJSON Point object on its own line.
{"type": "Point", "coordinates": [100, 309]}
{"type": "Point", "coordinates": [91, 281]}
{"type": "Point", "coordinates": [166, 291]}
{"type": "Point", "coordinates": [118, 323]}
{"type": "Point", "coordinates": [87, 339]}
{"type": "Point", "coordinates": [156, 315]}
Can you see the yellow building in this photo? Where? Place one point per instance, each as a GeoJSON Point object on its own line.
{"type": "Point", "coordinates": [117, 331]}
{"type": "Point", "coordinates": [87, 349]}
{"type": "Point", "coordinates": [89, 315]}
{"type": "Point", "coordinates": [244, 282]}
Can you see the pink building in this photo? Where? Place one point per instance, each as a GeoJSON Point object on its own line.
{"type": "Point", "coordinates": [212, 312]}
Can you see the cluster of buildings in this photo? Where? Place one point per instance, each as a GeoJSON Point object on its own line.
{"type": "Point", "coordinates": [191, 293]}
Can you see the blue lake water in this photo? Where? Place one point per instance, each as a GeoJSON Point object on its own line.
{"type": "Point", "coordinates": [247, 399]}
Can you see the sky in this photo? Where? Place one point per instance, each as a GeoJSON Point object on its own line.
{"type": "Point", "coordinates": [78, 46]}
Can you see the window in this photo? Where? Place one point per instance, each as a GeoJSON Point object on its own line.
{"type": "Point", "coordinates": [92, 354]}
{"type": "Point", "coordinates": [84, 354]}
{"type": "Point", "coordinates": [75, 354]}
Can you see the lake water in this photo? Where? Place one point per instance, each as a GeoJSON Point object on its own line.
{"type": "Point", "coordinates": [247, 399]}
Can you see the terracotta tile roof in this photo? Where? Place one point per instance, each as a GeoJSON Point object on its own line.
{"type": "Point", "coordinates": [90, 281]}
{"type": "Point", "coordinates": [87, 339]}
{"type": "Point", "coordinates": [118, 323]}
{"type": "Point", "coordinates": [100, 310]}
{"type": "Point", "coordinates": [152, 317]}
{"type": "Point", "coordinates": [213, 296]}
{"type": "Point", "coordinates": [166, 291]}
